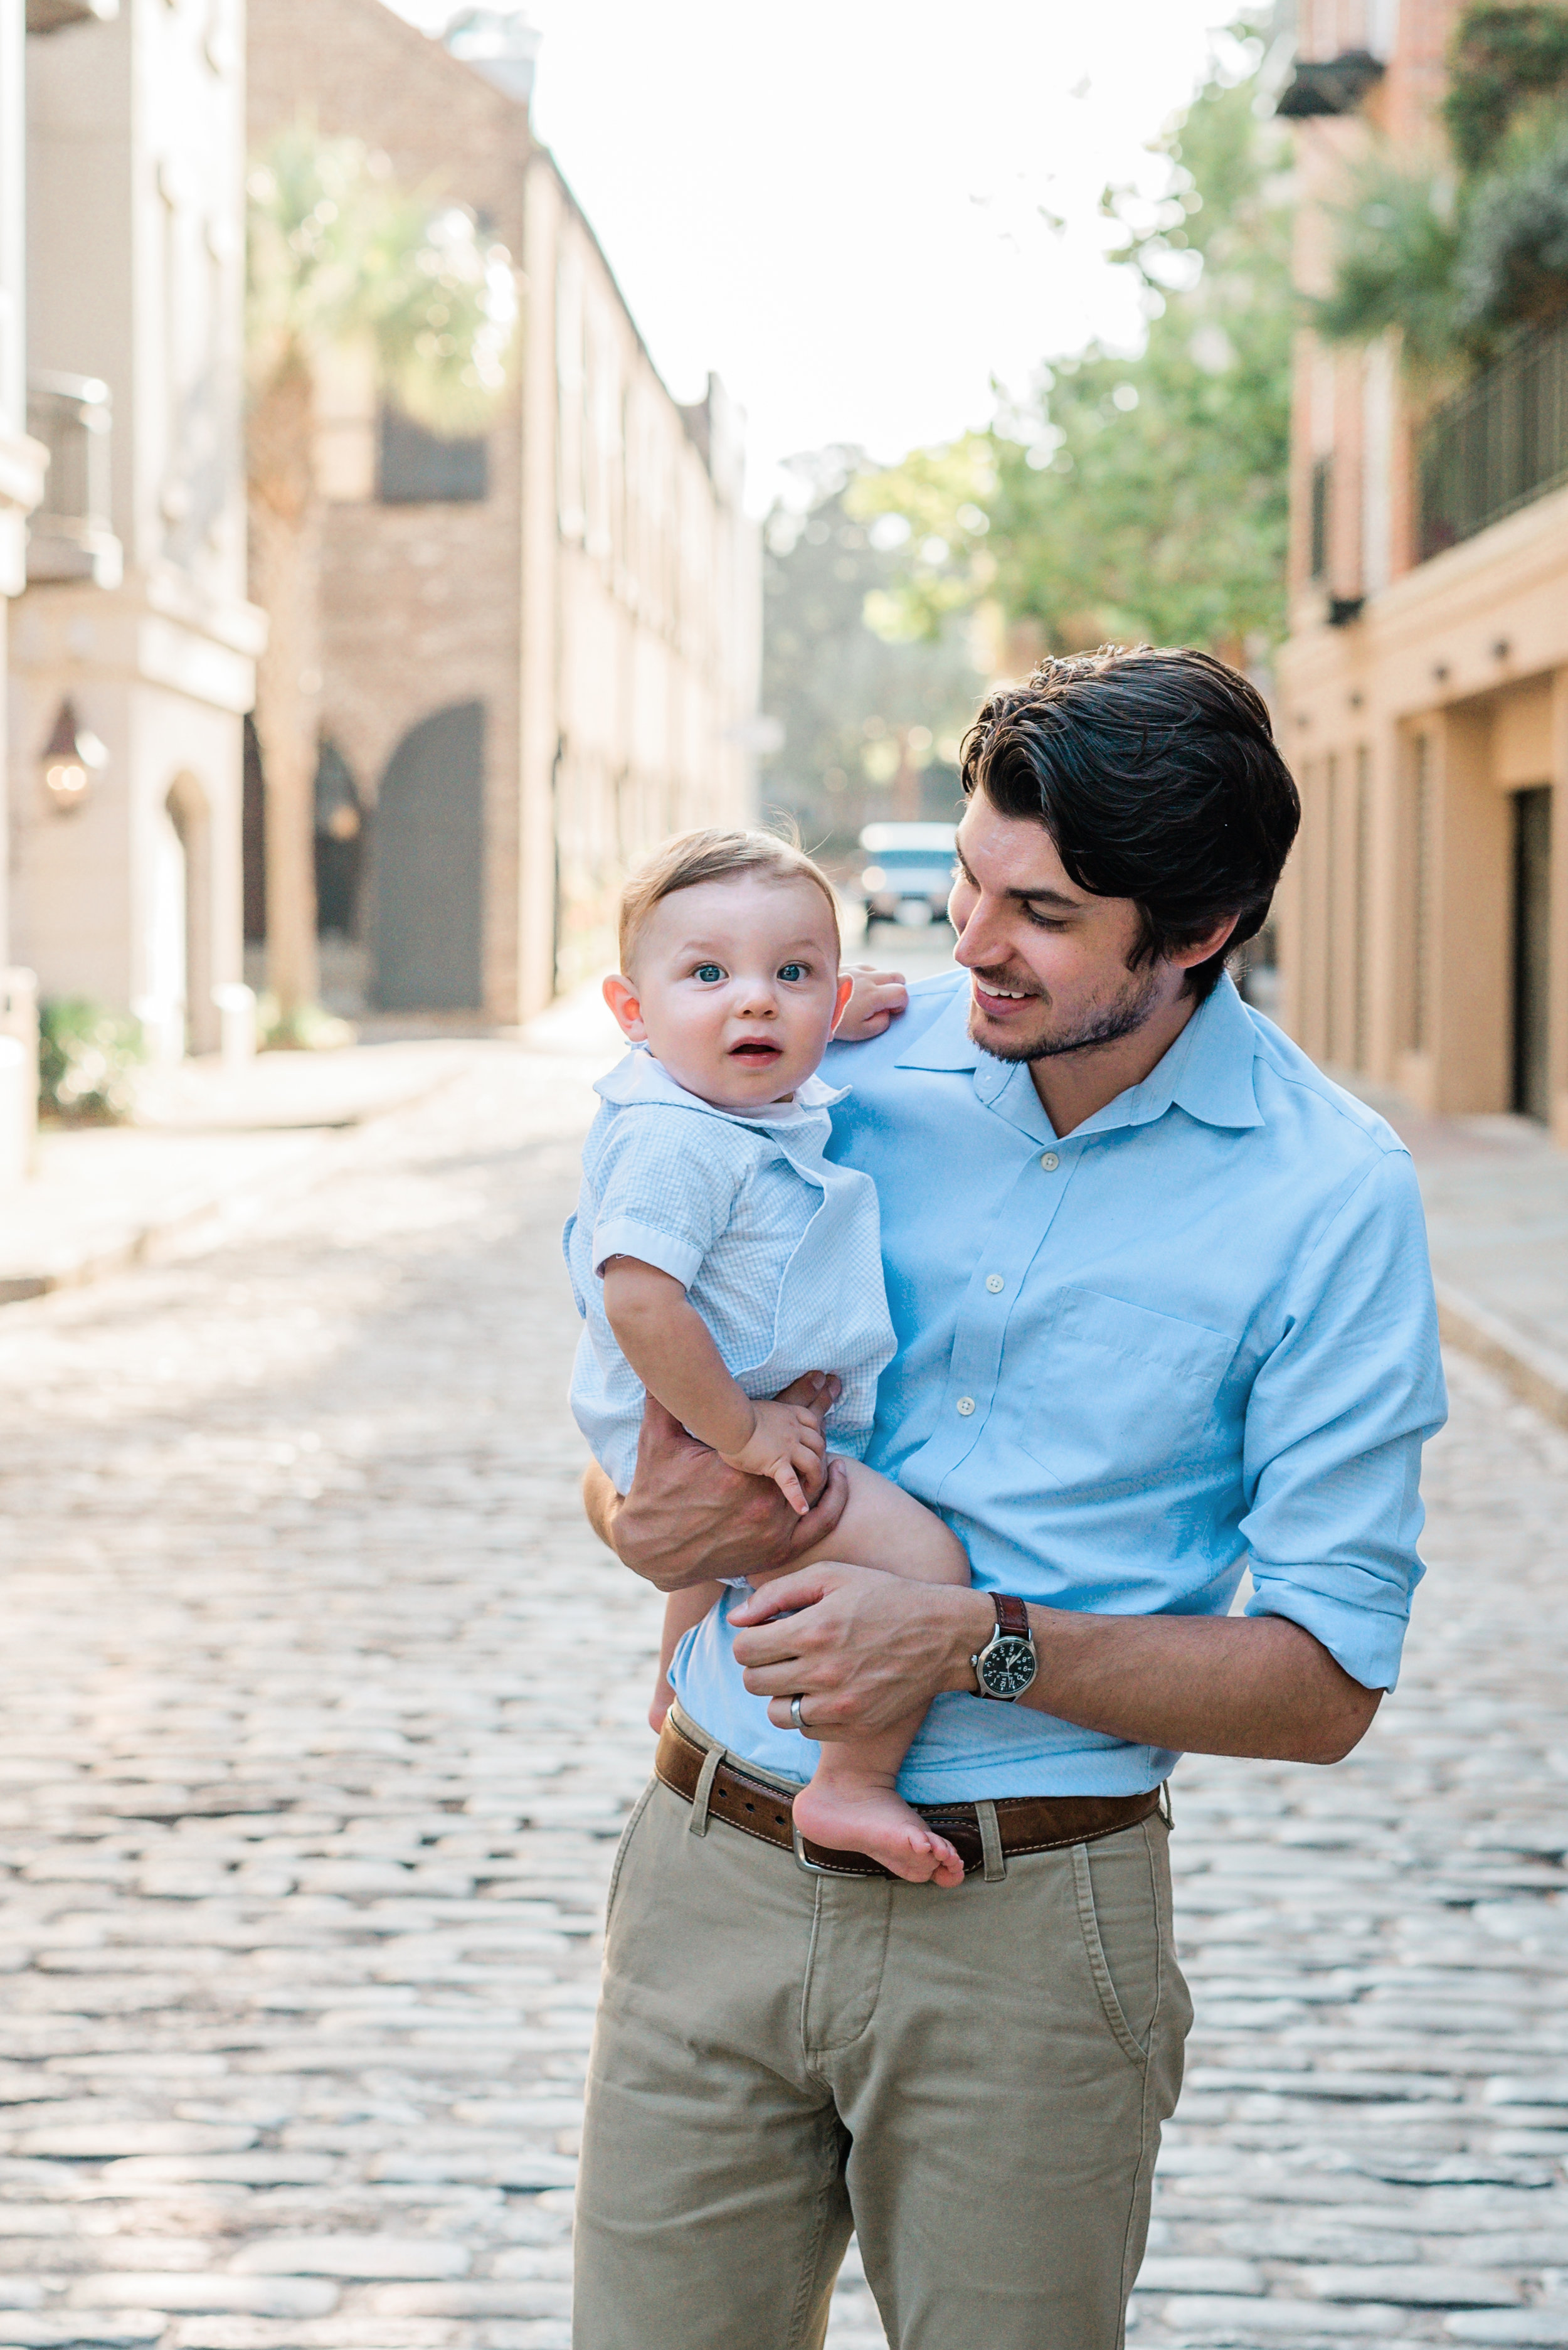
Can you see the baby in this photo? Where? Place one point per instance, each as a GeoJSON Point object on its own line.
{"type": "Point", "coordinates": [717, 1255]}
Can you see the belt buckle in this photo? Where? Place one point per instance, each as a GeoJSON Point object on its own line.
{"type": "Point", "coordinates": [812, 1867]}
{"type": "Point", "coordinates": [820, 1868]}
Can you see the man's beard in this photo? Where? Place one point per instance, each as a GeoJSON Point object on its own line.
{"type": "Point", "coordinates": [1104, 1025]}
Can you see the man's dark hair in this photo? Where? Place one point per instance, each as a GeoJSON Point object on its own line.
{"type": "Point", "coordinates": [1157, 775]}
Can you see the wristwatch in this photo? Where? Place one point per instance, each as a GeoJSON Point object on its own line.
{"type": "Point", "coordinates": [1007, 1662]}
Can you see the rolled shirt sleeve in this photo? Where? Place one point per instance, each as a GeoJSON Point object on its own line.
{"type": "Point", "coordinates": [660, 1200]}
{"type": "Point", "coordinates": [1339, 1411]}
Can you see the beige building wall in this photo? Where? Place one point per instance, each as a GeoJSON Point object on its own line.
{"type": "Point", "coordinates": [1418, 700]}
{"type": "Point", "coordinates": [602, 601]}
{"type": "Point", "coordinates": [22, 465]}
{"type": "Point", "coordinates": [135, 617]}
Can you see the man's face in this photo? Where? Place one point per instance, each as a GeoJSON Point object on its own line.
{"type": "Point", "coordinates": [1048, 964]}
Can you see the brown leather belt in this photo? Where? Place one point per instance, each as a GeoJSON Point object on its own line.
{"type": "Point", "coordinates": [1024, 1823]}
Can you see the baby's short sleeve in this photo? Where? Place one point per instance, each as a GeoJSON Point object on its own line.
{"type": "Point", "coordinates": [666, 1181]}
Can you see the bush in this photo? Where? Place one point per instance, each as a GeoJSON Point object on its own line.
{"type": "Point", "coordinates": [1513, 263]}
{"type": "Point", "coordinates": [86, 1055]}
{"type": "Point", "coordinates": [1504, 60]}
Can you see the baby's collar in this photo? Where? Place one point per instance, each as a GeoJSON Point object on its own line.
{"type": "Point", "coordinates": [638, 1077]}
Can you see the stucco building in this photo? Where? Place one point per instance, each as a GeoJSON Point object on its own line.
{"type": "Point", "coordinates": [541, 645]}
{"type": "Point", "coordinates": [22, 462]}
{"type": "Point", "coordinates": [1423, 695]}
{"type": "Point", "coordinates": [132, 647]}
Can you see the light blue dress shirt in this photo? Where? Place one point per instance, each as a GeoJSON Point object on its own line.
{"type": "Point", "coordinates": [1195, 1336]}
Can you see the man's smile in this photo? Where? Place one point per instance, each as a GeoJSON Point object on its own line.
{"type": "Point", "coordinates": [998, 1000]}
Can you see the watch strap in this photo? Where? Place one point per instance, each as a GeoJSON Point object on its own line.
{"type": "Point", "coordinates": [1012, 1615]}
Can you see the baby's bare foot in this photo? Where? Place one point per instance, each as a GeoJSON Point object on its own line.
{"type": "Point", "coordinates": [875, 1821]}
{"type": "Point", "coordinates": [663, 1699]}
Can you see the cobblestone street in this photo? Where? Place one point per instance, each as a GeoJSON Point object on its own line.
{"type": "Point", "coordinates": [322, 1712]}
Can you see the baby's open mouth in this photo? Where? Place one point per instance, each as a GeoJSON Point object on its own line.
{"type": "Point", "coordinates": [755, 1048]}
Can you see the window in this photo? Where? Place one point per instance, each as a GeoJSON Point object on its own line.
{"type": "Point", "coordinates": [1421, 898]}
{"type": "Point", "coordinates": [1321, 473]}
{"type": "Point", "coordinates": [419, 468]}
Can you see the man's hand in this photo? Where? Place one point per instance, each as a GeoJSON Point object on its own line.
{"type": "Point", "coordinates": [878, 997]}
{"type": "Point", "coordinates": [687, 1518]}
{"type": "Point", "coordinates": [866, 1649]}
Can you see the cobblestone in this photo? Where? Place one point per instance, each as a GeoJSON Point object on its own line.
{"type": "Point", "coordinates": [322, 1711]}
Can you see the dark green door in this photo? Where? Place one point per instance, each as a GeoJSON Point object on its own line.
{"type": "Point", "coordinates": [1531, 948]}
{"type": "Point", "coordinates": [429, 867]}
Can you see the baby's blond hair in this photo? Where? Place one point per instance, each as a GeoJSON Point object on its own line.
{"type": "Point", "coordinates": [692, 857]}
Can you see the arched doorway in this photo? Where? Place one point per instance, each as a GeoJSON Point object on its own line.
{"type": "Point", "coordinates": [429, 867]}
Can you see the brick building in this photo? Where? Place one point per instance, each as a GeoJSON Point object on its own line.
{"type": "Point", "coordinates": [1423, 694]}
{"type": "Point", "coordinates": [541, 646]}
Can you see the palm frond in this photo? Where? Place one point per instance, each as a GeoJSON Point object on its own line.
{"type": "Point", "coordinates": [338, 252]}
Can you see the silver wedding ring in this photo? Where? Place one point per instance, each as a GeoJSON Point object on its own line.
{"type": "Point", "coordinates": [794, 1705]}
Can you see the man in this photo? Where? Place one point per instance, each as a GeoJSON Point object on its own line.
{"type": "Point", "coordinates": [1164, 1312]}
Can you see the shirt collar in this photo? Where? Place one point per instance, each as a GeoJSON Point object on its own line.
{"type": "Point", "coordinates": [946, 1043]}
{"type": "Point", "coordinates": [638, 1077]}
{"type": "Point", "coordinates": [1208, 1072]}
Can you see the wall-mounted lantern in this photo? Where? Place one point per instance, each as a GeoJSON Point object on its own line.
{"type": "Point", "coordinates": [73, 756]}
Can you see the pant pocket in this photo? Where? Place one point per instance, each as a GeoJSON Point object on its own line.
{"type": "Point", "coordinates": [1119, 1916]}
{"type": "Point", "coordinates": [624, 1847]}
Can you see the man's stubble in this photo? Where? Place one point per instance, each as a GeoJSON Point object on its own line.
{"type": "Point", "coordinates": [1125, 1013]}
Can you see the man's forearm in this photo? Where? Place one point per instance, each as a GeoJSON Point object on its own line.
{"type": "Point", "coordinates": [600, 1502]}
{"type": "Point", "coordinates": [1249, 1685]}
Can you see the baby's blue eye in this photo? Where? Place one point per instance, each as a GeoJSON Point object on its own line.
{"type": "Point", "coordinates": [708, 972]}
{"type": "Point", "coordinates": [792, 970]}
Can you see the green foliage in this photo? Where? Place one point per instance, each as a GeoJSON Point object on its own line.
{"type": "Point", "coordinates": [1141, 497]}
{"type": "Point", "coordinates": [1399, 243]}
{"type": "Point", "coordinates": [1502, 60]}
{"type": "Point", "coordinates": [1513, 267]}
{"type": "Point", "coordinates": [869, 724]}
{"type": "Point", "coordinates": [86, 1055]}
{"type": "Point", "coordinates": [338, 254]}
{"type": "Point", "coordinates": [1455, 266]}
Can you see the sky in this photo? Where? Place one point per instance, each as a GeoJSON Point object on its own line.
{"type": "Point", "coordinates": [841, 206]}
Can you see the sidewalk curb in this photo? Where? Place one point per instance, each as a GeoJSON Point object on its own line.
{"type": "Point", "coordinates": [216, 1205]}
{"type": "Point", "coordinates": [1535, 1373]}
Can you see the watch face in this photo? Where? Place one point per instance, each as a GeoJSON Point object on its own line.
{"type": "Point", "coordinates": [1008, 1666]}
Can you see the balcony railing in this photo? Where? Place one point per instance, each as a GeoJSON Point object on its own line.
{"type": "Point", "coordinates": [70, 535]}
{"type": "Point", "coordinates": [1497, 444]}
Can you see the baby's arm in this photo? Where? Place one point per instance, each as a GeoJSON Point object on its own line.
{"type": "Point", "coordinates": [671, 1349]}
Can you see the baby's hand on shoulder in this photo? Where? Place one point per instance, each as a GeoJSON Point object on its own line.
{"type": "Point", "coordinates": [878, 997]}
{"type": "Point", "coordinates": [785, 1444]}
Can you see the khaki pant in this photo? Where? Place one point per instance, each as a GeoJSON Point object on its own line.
{"type": "Point", "coordinates": [974, 2080]}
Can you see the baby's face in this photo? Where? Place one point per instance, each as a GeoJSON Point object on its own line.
{"type": "Point", "coordinates": [736, 988]}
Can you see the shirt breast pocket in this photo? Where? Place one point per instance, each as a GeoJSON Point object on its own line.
{"type": "Point", "coordinates": [1107, 1394]}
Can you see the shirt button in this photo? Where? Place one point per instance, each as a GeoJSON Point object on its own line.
{"type": "Point", "coordinates": [965, 1406]}
{"type": "Point", "coordinates": [1050, 1162]}
{"type": "Point", "coordinates": [994, 1282]}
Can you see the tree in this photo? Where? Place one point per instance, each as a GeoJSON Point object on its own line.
{"type": "Point", "coordinates": [1144, 496]}
{"type": "Point", "coordinates": [340, 257]}
{"type": "Point", "coordinates": [870, 727]}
